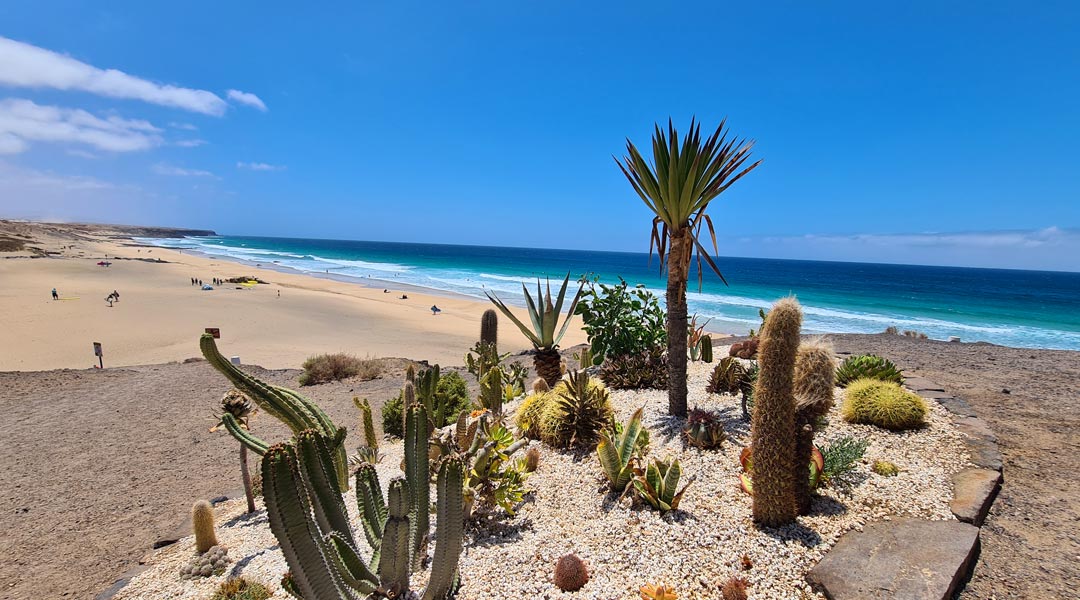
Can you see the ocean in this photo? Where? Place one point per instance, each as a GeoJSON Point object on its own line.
{"type": "Point", "coordinates": [1035, 309]}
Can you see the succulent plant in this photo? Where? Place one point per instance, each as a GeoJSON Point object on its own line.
{"type": "Point", "coordinates": [884, 404]}
{"type": "Point", "coordinates": [840, 457]}
{"type": "Point", "coordinates": [237, 410]}
{"type": "Point", "coordinates": [210, 562]}
{"type": "Point", "coordinates": [238, 588]}
{"type": "Point", "coordinates": [745, 349]}
{"type": "Point", "coordinates": [571, 573]}
{"type": "Point", "coordinates": [576, 413]}
{"type": "Point", "coordinates": [645, 370]}
{"type": "Point", "coordinates": [867, 366]}
{"type": "Point", "coordinates": [540, 386]}
{"type": "Point", "coordinates": [619, 453]}
{"type": "Point", "coordinates": [202, 523]}
{"type": "Point", "coordinates": [491, 390]}
{"type": "Point", "coordinates": [815, 469]}
{"type": "Point", "coordinates": [656, 484]}
{"type": "Point", "coordinates": [706, 349]}
{"type": "Point", "coordinates": [704, 429]}
{"type": "Point", "coordinates": [545, 321]}
{"type": "Point", "coordinates": [658, 592]}
{"type": "Point", "coordinates": [729, 376]}
{"type": "Point", "coordinates": [489, 327]}
{"type": "Point", "coordinates": [531, 411]}
{"type": "Point", "coordinates": [532, 459]}
{"type": "Point", "coordinates": [885, 468]}
{"type": "Point", "coordinates": [695, 334]}
{"type": "Point", "coordinates": [813, 387]}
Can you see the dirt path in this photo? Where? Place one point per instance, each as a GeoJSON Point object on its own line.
{"type": "Point", "coordinates": [1031, 399]}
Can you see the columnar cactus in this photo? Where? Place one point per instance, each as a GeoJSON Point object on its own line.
{"type": "Point", "coordinates": [773, 426]}
{"type": "Point", "coordinates": [202, 522]}
{"type": "Point", "coordinates": [366, 422]}
{"type": "Point", "coordinates": [491, 390]}
{"type": "Point", "coordinates": [706, 349]}
{"type": "Point", "coordinates": [308, 517]}
{"type": "Point", "coordinates": [296, 411]}
{"type": "Point", "coordinates": [417, 472]}
{"type": "Point", "coordinates": [489, 328]}
{"type": "Point", "coordinates": [814, 385]}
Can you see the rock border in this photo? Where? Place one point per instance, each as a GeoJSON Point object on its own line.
{"type": "Point", "coordinates": [916, 558]}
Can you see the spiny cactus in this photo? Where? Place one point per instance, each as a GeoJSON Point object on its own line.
{"type": "Point", "coordinates": [814, 385]}
{"type": "Point", "coordinates": [734, 589]}
{"type": "Point", "coordinates": [619, 453]}
{"type": "Point", "coordinates": [704, 429]}
{"type": "Point", "coordinates": [308, 518]}
{"type": "Point", "coordinates": [296, 411]}
{"type": "Point", "coordinates": [211, 562]}
{"type": "Point", "coordinates": [491, 390]}
{"type": "Point", "coordinates": [884, 404]}
{"type": "Point", "coordinates": [540, 386]}
{"type": "Point", "coordinates": [366, 422]}
{"type": "Point", "coordinates": [489, 327]}
{"type": "Point", "coordinates": [239, 408]}
{"type": "Point", "coordinates": [773, 428]}
{"type": "Point", "coordinates": [532, 459]}
{"type": "Point", "coordinates": [571, 573]}
{"type": "Point", "coordinates": [885, 468]}
{"type": "Point", "coordinates": [493, 478]}
{"type": "Point", "coordinates": [202, 522]}
{"type": "Point", "coordinates": [706, 349]}
{"type": "Point", "coordinates": [578, 410]}
{"type": "Point", "coordinates": [867, 366]}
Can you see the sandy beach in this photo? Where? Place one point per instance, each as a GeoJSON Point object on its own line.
{"type": "Point", "coordinates": [160, 313]}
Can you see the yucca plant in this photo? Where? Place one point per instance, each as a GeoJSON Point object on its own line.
{"type": "Point", "coordinates": [678, 185]}
{"type": "Point", "coordinates": [619, 451]}
{"type": "Point", "coordinates": [544, 332]}
{"type": "Point", "coordinates": [656, 484]}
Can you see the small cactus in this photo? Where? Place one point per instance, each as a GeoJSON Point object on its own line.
{"type": "Point", "coordinates": [532, 459]}
{"type": "Point", "coordinates": [734, 589]}
{"type": "Point", "coordinates": [704, 429]}
{"type": "Point", "coordinates": [211, 562]}
{"type": "Point", "coordinates": [571, 573]}
{"type": "Point", "coordinates": [540, 386]}
{"type": "Point", "coordinates": [202, 522]}
{"type": "Point", "coordinates": [489, 327]}
{"type": "Point", "coordinates": [885, 468]}
{"type": "Point", "coordinates": [658, 592]}
{"type": "Point", "coordinates": [706, 349]}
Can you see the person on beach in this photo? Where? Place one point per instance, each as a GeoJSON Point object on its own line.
{"type": "Point", "coordinates": [55, 296]}
{"type": "Point", "coordinates": [116, 295]}
{"type": "Point", "coordinates": [435, 309]}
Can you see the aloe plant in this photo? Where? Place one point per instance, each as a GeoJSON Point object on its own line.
{"type": "Point", "coordinates": [657, 483]}
{"type": "Point", "coordinates": [544, 332]}
{"type": "Point", "coordinates": [619, 453]}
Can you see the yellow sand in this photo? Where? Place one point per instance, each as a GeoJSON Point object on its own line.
{"type": "Point", "coordinates": [160, 314]}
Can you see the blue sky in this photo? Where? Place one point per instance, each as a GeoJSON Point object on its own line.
{"type": "Point", "coordinates": [909, 132]}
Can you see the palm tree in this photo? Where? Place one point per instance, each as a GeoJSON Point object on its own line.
{"type": "Point", "coordinates": [678, 186]}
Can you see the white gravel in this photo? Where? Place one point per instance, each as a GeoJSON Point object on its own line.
{"type": "Point", "coordinates": [694, 549]}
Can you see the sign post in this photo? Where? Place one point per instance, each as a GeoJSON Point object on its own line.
{"type": "Point", "coordinates": [97, 353]}
{"type": "Point", "coordinates": [214, 331]}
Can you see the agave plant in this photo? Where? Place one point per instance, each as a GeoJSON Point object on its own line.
{"type": "Point", "coordinates": [544, 316]}
{"type": "Point", "coordinates": [695, 333]}
{"type": "Point", "coordinates": [657, 483]}
{"type": "Point", "coordinates": [867, 366]}
{"type": "Point", "coordinates": [678, 185]}
{"type": "Point", "coordinates": [704, 429]}
{"type": "Point", "coordinates": [619, 451]}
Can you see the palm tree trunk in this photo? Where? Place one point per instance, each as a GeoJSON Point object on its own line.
{"type": "Point", "coordinates": [678, 268]}
{"type": "Point", "coordinates": [247, 479]}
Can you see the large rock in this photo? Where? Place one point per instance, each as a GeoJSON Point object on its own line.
{"type": "Point", "coordinates": [973, 494]}
{"type": "Point", "coordinates": [911, 559]}
{"type": "Point", "coordinates": [980, 441]}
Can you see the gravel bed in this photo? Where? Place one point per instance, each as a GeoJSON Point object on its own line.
{"type": "Point", "coordinates": [626, 544]}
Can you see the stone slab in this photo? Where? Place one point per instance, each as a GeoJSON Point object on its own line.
{"type": "Point", "coordinates": [980, 441]}
{"type": "Point", "coordinates": [912, 559]}
{"type": "Point", "coordinates": [919, 384]}
{"type": "Point", "coordinates": [974, 490]}
{"type": "Point", "coordinates": [956, 406]}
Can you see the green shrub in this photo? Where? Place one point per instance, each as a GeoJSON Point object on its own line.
{"type": "Point", "coordinates": [619, 320]}
{"type": "Point", "coordinates": [883, 403]}
{"type": "Point", "coordinates": [451, 388]}
{"type": "Point", "coordinates": [867, 366]}
{"type": "Point", "coordinates": [238, 588]}
{"type": "Point", "coordinates": [323, 368]}
{"type": "Point", "coordinates": [840, 457]}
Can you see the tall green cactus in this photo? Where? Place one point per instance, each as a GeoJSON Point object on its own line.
{"type": "Point", "coordinates": [417, 472]}
{"type": "Point", "coordinates": [370, 439]}
{"type": "Point", "coordinates": [489, 328]}
{"type": "Point", "coordinates": [308, 517]}
{"type": "Point", "coordinates": [491, 390]}
{"type": "Point", "coordinates": [706, 349]}
{"type": "Point", "coordinates": [773, 426]}
{"type": "Point", "coordinates": [296, 411]}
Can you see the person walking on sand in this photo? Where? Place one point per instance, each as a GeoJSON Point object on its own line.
{"type": "Point", "coordinates": [116, 295]}
{"type": "Point", "coordinates": [55, 296]}
{"type": "Point", "coordinates": [435, 309]}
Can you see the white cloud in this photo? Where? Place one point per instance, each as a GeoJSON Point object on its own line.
{"type": "Point", "coordinates": [82, 153]}
{"type": "Point", "coordinates": [174, 171]}
{"type": "Point", "coordinates": [184, 126]}
{"type": "Point", "coordinates": [246, 98]}
{"type": "Point", "coordinates": [259, 166]}
{"type": "Point", "coordinates": [190, 143]}
{"type": "Point", "coordinates": [23, 121]}
{"type": "Point", "coordinates": [25, 65]}
{"type": "Point", "coordinates": [21, 178]}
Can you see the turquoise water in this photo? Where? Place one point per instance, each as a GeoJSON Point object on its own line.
{"type": "Point", "coordinates": [1034, 309]}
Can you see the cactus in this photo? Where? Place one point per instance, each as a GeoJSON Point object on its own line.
{"type": "Point", "coordinates": [867, 365]}
{"type": "Point", "coordinates": [619, 455]}
{"type": "Point", "coordinates": [885, 468]}
{"type": "Point", "coordinates": [773, 427]}
{"type": "Point", "coordinates": [532, 460]}
{"type": "Point", "coordinates": [571, 573]}
{"type": "Point", "coordinates": [296, 411]}
{"type": "Point", "coordinates": [489, 328]}
{"type": "Point", "coordinates": [704, 429]}
{"type": "Point", "coordinates": [576, 412]}
{"type": "Point", "coordinates": [539, 386]}
{"type": "Point", "coordinates": [366, 422]}
{"type": "Point", "coordinates": [734, 589]}
{"type": "Point", "coordinates": [657, 483]}
{"type": "Point", "coordinates": [308, 517]}
{"type": "Point", "coordinates": [202, 522]}
{"type": "Point", "coordinates": [884, 404]}
{"type": "Point", "coordinates": [492, 478]}
{"type": "Point", "coordinates": [211, 562]}
{"type": "Point", "coordinates": [491, 390]}
{"type": "Point", "coordinates": [814, 384]}
{"type": "Point", "coordinates": [706, 349]}
{"type": "Point", "coordinates": [417, 472]}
